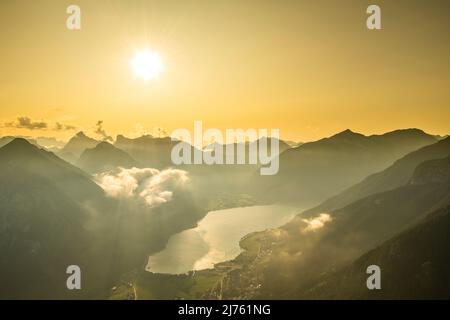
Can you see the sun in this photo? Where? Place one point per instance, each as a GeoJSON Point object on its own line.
{"type": "Point", "coordinates": [147, 64]}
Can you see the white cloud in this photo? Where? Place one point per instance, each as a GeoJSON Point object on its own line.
{"type": "Point", "coordinates": [153, 186]}
{"type": "Point", "coordinates": [314, 224]}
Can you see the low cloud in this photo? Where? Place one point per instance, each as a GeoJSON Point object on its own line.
{"type": "Point", "coordinates": [152, 186]}
{"type": "Point", "coordinates": [314, 224]}
{"type": "Point", "coordinates": [101, 132]}
{"type": "Point", "coordinates": [159, 132]}
{"type": "Point", "coordinates": [140, 130]}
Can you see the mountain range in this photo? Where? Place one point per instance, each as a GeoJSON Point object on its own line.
{"type": "Point", "coordinates": [403, 230]}
{"type": "Point", "coordinates": [76, 146]}
{"type": "Point", "coordinates": [383, 200]}
{"type": "Point", "coordinates": [53, 215]}
{"type": "Point", "coordinates": [50, 214]}
{"type": "Point", "coordinates": [414, 264]}
{"type": "Point", "coordinates": [321, 169]}
{"type": "Point", "coordinates": [324, 254]}
{"type": "Point", "coordinates": [148, 150]}
{"type": "Point", "coordinates": [398, 174]}
{"type": "Point", "coordinates": [104, 157]}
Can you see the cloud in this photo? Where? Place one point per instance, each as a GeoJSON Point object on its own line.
{"type": "Point", "coordinates": [101, 132]}
{"type": "Point", "coordinates": [314, 224]}
{"type": "Point", "coordinates": [152, 186]}
{"type": "Point", "coordinates": [64, 127]}
{"type": "Point", "coordinates": [159, 132]}
{"type": "Point", "coordinates": [27, 123]}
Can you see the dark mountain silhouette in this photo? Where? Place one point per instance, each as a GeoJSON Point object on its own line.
{"type": "Point", "coordinates": [105, 157]}
{"type": "Point", "coordinates": [47, 143]}
{"type": "Point", "coordinates": [318, 170]}
{"type": "Point", "coordinates": [293, 259]}
{"type": "Point", "coordinates": [414, 265]}
{"type": "Point", "coordinates": [76, 146]}
{"type": "Point", "coordinates": [432, 171]}
{"type": "Point", "coordinates": [394, 176]}
{"type": "Point", "coordinates": [366, 223]}
{"type": "Point", "coordinates": [51, 217]}
{"type": "Point", "coordinates": [298, 259]}
{"type": "Point", "coordinates": [20, 155]}
{"type": "Point", "coordinates": [7, 139]}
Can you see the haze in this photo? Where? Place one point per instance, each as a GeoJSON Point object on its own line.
{"type": "Point", "coordinates": [309, 68]}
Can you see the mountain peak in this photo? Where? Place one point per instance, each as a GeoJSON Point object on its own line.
{"type": "Point", "coordinates": [347, 134]}
{"type": "Point", "coordinates": [19, 144]}
{"type": "Point", "coordinates": [77, 144]}
{"type": "Point", "coordinates": [413, 130]}
{"type": "Point", "coordinates": [20, 141]}
{"type": "Point", "coordinates": [407, 132]}
{"type": "Point", "coordinates": [20, 148]}
{"type": "Point", "coordinates": [81, 134]}
{"type": "Point", "coordinates": [105, 145]}
{"type": "Point", "coordinates": [120, 137]}
{"type": "Point", "coordinates": [81, 137]}
{"type": "Point", "coordinates": [104, 157]}
{"type": "Point", "coordinates": [144, 137]}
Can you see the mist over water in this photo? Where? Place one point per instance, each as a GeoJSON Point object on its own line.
{"type": "Point", "coordinates": [216, 238]}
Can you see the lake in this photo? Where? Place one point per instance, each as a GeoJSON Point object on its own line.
{"type": "Point", "coordinates": [216, 238]}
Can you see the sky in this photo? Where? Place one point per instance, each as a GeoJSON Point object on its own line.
{"type": "Point", "coordinates": [308, 68]}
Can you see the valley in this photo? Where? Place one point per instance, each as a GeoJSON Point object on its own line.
{"type": "Point", "coordinates": [216, 238]}
{"type": "Point", "coordinates": [210, 232]}
{"type": "Point", "coordinates": [264, 270]}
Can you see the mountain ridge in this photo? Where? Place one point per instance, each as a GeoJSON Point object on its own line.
{"type": "Point", "coordinates": [318, 170]}
{"type": "Point", "coordinates": [399, 173]}
{"type": "Point", "coordinates": [104, 157]}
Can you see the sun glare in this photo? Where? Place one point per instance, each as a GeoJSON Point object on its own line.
{"type": "Point", "coordinates": [147, 64]}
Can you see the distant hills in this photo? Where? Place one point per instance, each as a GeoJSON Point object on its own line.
{"type": "Point", "coordinates": [365, 223]}
{"type": "Point", "coordinates": [47, 218]}
{"type": "Point", "coordinates": [48, 143]}
{"type": "Point", "coordinates": [386, 199]}
{"type": "Point", "coordinates": [104, 157]}
{"type": "Point", "coordinates": [432, 171]}
{"type": "Point", "coordinates": [318, 170]}
{"type": "Point", "coordinates": [298, 260]}
{"type": "Point", "coordinates": [402, 228]}
{"type": "Point", "coordinates": [7, 139]}
{"type": "Point", "coordinates": [76, 146]}
{"type": "Point", "coordinates": [52, 215]}
{"type": "Point", "coordinates": [394, 176]}
{"type": "Point", "coordinates": [147, 150]}
{"type": "Point", "coordinates": [414, 265]}
{"type": "Point", "coordinates": [247, 147]}
{"type": "Point", "coordinates": [19, 156]}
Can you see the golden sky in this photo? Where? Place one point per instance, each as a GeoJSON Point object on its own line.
{"type": "Point", "coordinates": [309, 68]}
